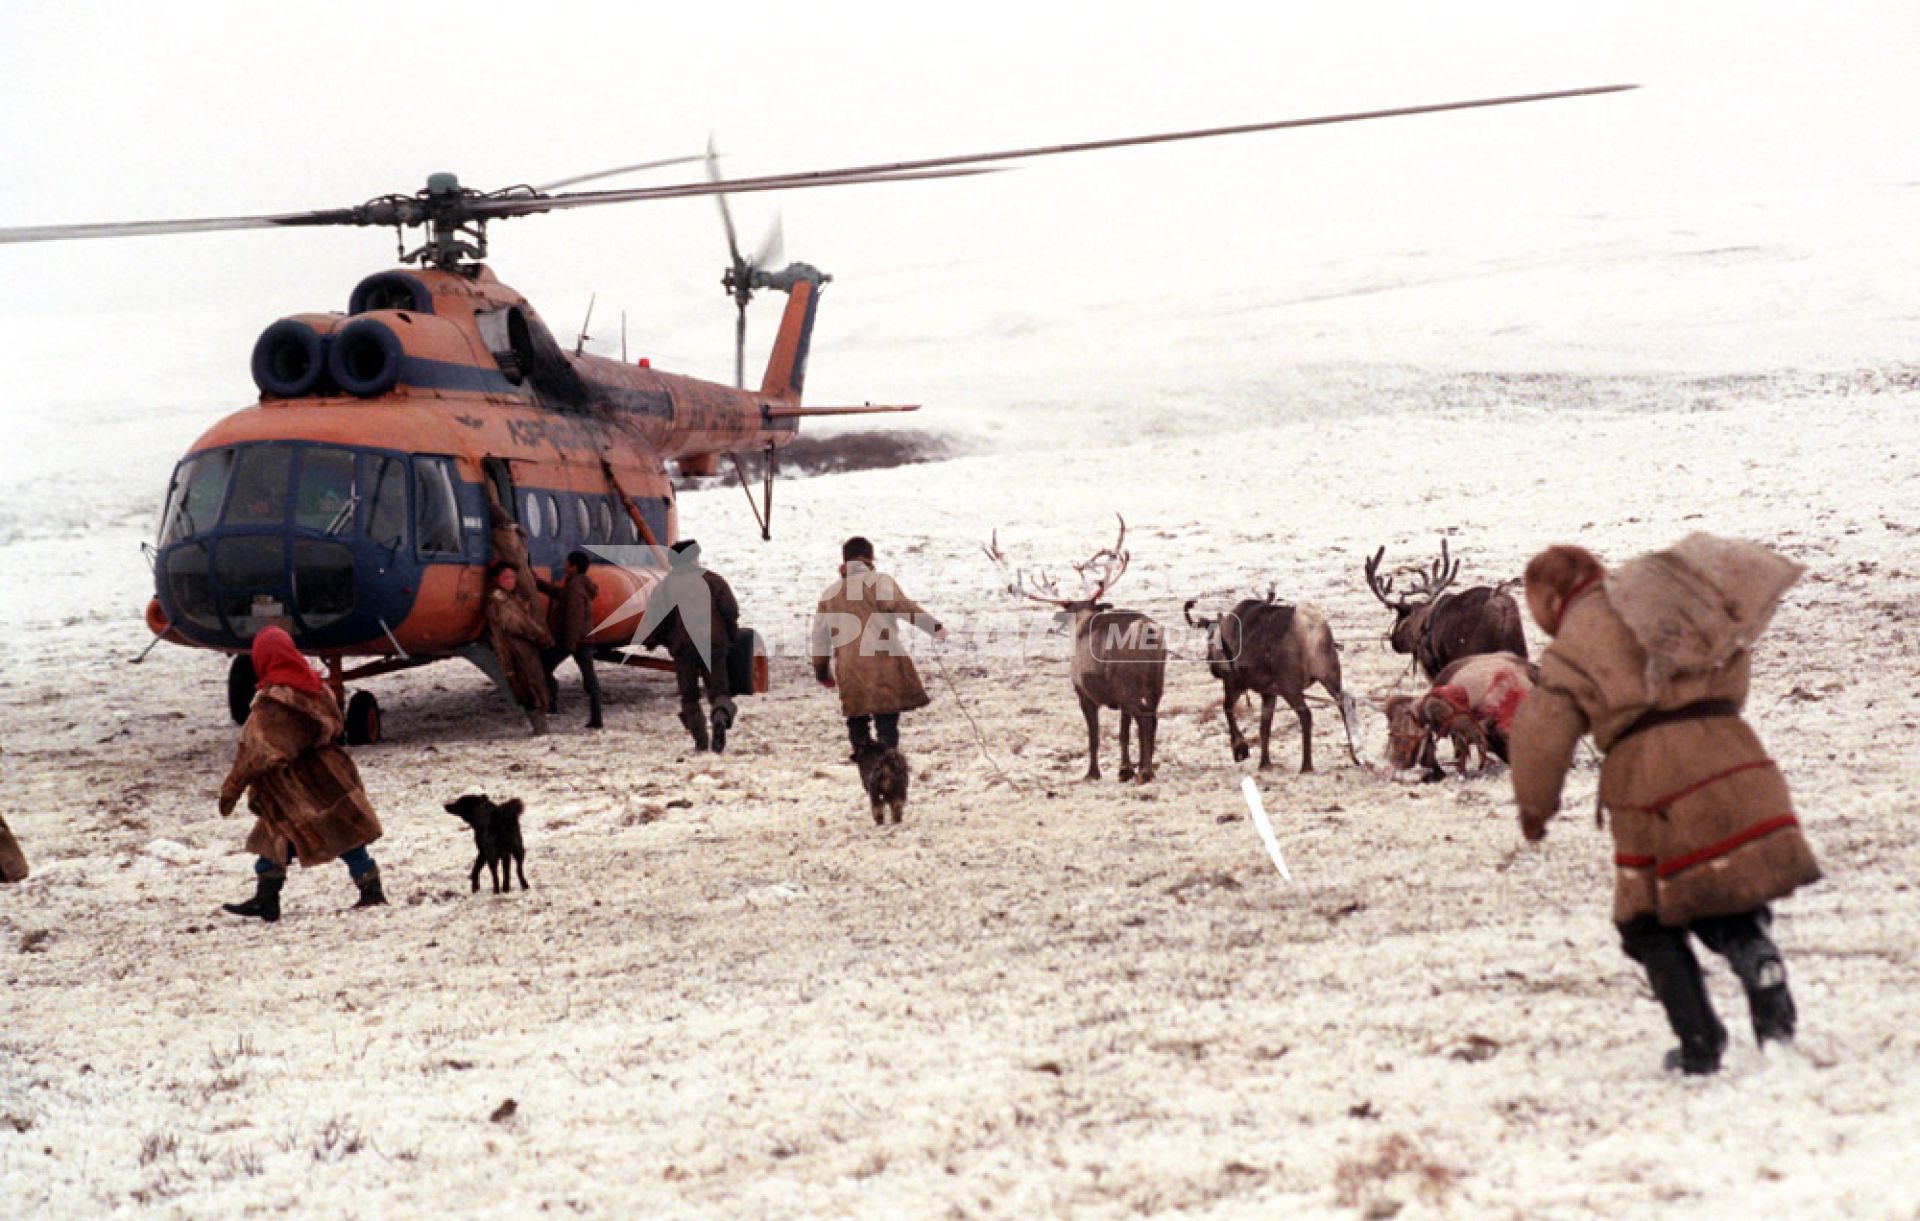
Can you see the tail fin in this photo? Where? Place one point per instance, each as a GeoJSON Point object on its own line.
{"type": "Point", "coordinates": [787, 366]}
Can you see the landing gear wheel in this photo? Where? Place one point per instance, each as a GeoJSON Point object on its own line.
{"type": "Point", "coordinates": [241, 681]}
{"type": "Point", "coordinates": [363, 719]}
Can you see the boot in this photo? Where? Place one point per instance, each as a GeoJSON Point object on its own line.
{"type": "Point", "coordinates": [722, 721]}
{"type": "Point", "coordinates": [265, 904]}
{"type": "Point", "coordinates": [1675, 975]}
{"type": "Point", "coordinates": [1742, 940]}
{"type": "Point", "coordinates": [538, 719]}
{"type": "Point", "coordinates": [370, 893]}
{"type": "Point", "coordinates": [696, 725]}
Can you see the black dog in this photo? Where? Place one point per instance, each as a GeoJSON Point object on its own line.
{"type": "Point", "coordinates": [496, 836]}
{"type": "Point", "coordinates": [883, 770]}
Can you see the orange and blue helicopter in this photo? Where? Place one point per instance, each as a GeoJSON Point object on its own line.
{"type": "Point", "coordinates": [352, 501]}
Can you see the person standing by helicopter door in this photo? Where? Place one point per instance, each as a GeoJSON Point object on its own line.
{"type": "Point", "coordinates": [693, 613]}
{"type": "Point", "coordinates": [517, 636]}
{"type": "Point", "coordinates": [570, 619]}
{"type": "Point", "coordinates": [304, 791]}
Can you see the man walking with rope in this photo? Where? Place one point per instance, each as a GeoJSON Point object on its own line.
{"type": "Point", "coordinates": [858, 647]}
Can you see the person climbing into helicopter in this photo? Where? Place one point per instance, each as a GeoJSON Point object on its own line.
{"type": "Point", "coordinates": [857, 647]}
{"type": "Point", "coordinates": [508, 540]}
{"type": "Point", "coordinates": [692, 613]}
{"type": "Point", "coordinates": [518, 636]}
{"type": "Point", "coordinates": [570, 620]}
{"type": "Point", "coordinates": [304, 791]}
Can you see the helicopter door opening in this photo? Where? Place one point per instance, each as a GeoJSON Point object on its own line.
{"type": "Point", "coordinates": [500, 479]}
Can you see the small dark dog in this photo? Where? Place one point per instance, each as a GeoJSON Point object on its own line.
{"type": "Point", "coordinates": [883, 770]}
{"type": "Point", "coordinates": [496, 837]}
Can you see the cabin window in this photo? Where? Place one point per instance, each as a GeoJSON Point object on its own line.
{"type": "Point", "coordinates": [325, 494]}
{"type": "Point", "coordinates": [387, 510]}
{"type": "Point", "coordinates": [629, 531]}
{"type": "Point", "coordinates": [248, 561]}
{"type": "Point", "coordinates": [187, 582]}
{"type": "Point", "coordinates": [436, 508]}
{"type": "Point", "coordinates": [553, 516]}
{"type": "Point", "coordinates": [606, 519]}
{"type": "Point", "coordinates": [193, 502]}
{"type": "Point", "coordinates": [260, 486]}
{"type": "Point", "coordinates": [530, 517]}
{"type": "Point", "coordinates": [322, 581]}
{"type": "Point", "coordinates": [583, 518]}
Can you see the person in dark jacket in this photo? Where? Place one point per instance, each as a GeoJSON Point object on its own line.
{"type": "Point", "coordinates": [1653, 661]}
{"type": "Point", "coordinates": [305, 793]}
{"type": "Point", "coordinates": [570, 619]}
{"type": "Point", "coordinates": [692, 612]}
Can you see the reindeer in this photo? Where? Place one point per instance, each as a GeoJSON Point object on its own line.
{"type": "Point", "coordinates": [1472, 703]}
{"type": "Point", "coordinates": [1119, 656]}
{"type": "Point", "coordinates": [1438, 627]}
{"type": "Point", "coordinates": [1277, 650]}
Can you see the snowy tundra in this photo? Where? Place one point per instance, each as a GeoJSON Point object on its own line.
{"type": "Point", "coordinates": [728, 993]}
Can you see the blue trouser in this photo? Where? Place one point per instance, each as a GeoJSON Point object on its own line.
{"type": "Point", "coordinates": [357, 860]}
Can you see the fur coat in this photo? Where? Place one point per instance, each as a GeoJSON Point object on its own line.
{"type": "Point", "coordinates": [858, 628]}
{"type": "Point", "coordinates": [304, 791]}
{"type": "Point", "coordinates": [1702, 821]}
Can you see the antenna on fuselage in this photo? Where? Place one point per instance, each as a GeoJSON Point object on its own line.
{"type": "Point", "coordinates": [580, 344]}
{"type": "Point", "coordinates": [623, 337]}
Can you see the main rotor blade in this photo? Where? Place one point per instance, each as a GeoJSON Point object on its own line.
{"type": "Point", "coordinates": [773, 246]}
{"type": "Point", "coordinates": [145, 228]}
{"type": "Point", "coordinates": [403, 210]}
{"type": "Point", "coordinates": [496, 209]}
{"type": "Point", "coordinates": [577, 179]}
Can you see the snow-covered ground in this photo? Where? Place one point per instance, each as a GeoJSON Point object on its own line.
{"type": "Point", "coordinates": [729, 994]}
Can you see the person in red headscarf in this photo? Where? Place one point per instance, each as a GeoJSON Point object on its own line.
{"type": "Point", "coordinates": [303, 790]}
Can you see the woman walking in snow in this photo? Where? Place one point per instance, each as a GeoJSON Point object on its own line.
{"type": "Point", "coordinates": [303, 790]}
{"type": "Point", "coordinates": [1653, 661]}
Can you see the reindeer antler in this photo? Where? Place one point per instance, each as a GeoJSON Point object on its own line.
{"type": "Point", "coordinates": [1438, 576]}
{"type": "Point", "coordinates": [1382, 587]}
{"type": "Point", "coordinates": [1112, 562]}
{"type": "Point", "coordinates": [1044, 589]}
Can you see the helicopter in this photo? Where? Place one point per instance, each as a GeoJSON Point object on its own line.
{"type": "Point", "coordinates": [352, 502]}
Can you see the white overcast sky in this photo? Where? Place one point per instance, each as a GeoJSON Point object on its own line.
{"type": "Point", "coordinates": [131, 111]}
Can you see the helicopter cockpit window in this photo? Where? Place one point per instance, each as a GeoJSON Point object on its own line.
{"type": "Point", "coordinates": [325, 495]}
{"type": "Point", "coordinates": [387, 509]}
{"type": "Point", "coordinates": [260, 486]}
{"type": "Point", "coordinates": [436, 521]}
{"type": "Point", "coordinates": [504, 331]}
{"type": "Point", "coordinates": [193, 503]}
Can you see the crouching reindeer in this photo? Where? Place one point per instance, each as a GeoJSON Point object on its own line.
{"type": "Point", "coordinates": [1439, 627]}
{"type": "Point", "coordinates": [1277, 650]}
{"type": "Point", "coordinates": [1119, 656]}
{"type": "Point", "coordinates": [1472, 704]}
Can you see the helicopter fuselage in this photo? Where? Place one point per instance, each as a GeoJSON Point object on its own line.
{"type": "Point", "coordinates": [351, 503]}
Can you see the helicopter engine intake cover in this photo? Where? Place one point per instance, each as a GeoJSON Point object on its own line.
{"type": "Point", "coordinates": [365, 358]}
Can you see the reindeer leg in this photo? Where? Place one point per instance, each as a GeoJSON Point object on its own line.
{"type": "Point", "coordinates": [1430, 760]}
{"type": "Point", "coordinates": [1299, 705]}
{"type": "Point", "coordinates": [1344, 703]}
{"type": "Point", "coordinates": [1149, 732]}
{"type": "Point", "coordinates": [1235, 738]}
{"type": "Point", "coordinates": [1091, 711]}
{"type": "Point", "coordinates": [1126, 757]}
{"type": "Point", "coordinates": [1266, 729]}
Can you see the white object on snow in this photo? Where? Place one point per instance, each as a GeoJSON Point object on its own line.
{"type": "Point", "coordinates": [1252, 792]}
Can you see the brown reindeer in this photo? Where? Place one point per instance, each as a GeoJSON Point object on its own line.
{"type": "Point", "coordinates": [1279, 651]}
{"type": "Point", "coordinates": [1119, 656]}
{"type": "Point", "coordinates": [1439, 627]}
{"type": "Point", "coordinates": [1472, 704]}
